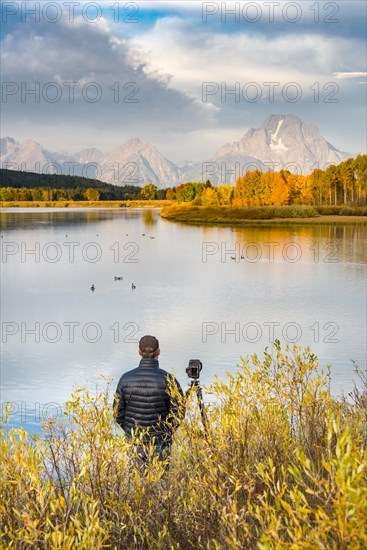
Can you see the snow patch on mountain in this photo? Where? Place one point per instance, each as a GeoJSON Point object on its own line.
{"type": "Point", "coordinates": [276, 143]}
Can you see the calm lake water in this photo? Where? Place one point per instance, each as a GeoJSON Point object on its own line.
{"type": "Point", "coordinates": [302, 284]}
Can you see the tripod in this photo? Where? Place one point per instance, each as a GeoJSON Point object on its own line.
{"type": "Point", "coordinates": [199, 394]}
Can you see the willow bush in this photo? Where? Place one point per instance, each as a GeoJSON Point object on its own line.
{"type": "Point", "coordinates": [282, 465]}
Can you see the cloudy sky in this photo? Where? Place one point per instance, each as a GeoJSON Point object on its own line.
{"type": "Point", "coordinates": [103, 72]}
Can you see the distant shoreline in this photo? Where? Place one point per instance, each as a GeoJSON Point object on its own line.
{"type": "Point", "coordinates": [86, 204]}
{"type": "Point", "coordinates": [191, 216]}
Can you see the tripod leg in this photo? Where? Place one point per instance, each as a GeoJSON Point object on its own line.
{"type": "Point", "coordinates": [202, 409]}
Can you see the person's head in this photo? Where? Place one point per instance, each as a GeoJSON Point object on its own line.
{"type": "Point", "coordinates": [149, 347]}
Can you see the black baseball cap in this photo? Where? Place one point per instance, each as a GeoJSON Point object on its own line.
{"type": "Point", "coordinates": [148, 344]}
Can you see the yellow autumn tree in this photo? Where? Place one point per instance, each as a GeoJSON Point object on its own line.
{"type": "Point", "coordinates": [92, 194]}
{"type": "Point", "coordinates": [225, 194]}
{"type": "Point", "coordinates": [210, 197]}
{"type": "Point", "coordinates": [246, 191]}
{"type": "Point", "coordinates": [280, 189]}
{"type": "Point", "coordinates": [300, 189]}
{"type": "Point", "coordinates": [267, 179]}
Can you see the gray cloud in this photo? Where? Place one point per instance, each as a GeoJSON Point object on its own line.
{"type": "Point", "coordinates": [131, 102]}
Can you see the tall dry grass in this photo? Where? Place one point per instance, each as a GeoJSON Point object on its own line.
{"type": "Point", "coordinates": [189, 212]}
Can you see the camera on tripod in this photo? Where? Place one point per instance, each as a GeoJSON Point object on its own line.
{"type": "Point", "coordinates": [194, 368]}
{"type": "Point", "coordinates": [193, 372]}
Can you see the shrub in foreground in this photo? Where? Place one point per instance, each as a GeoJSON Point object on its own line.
{"type": "Point", "coordinates": [283, 465]}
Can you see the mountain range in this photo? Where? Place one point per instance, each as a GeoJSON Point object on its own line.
{"type": "Point", "coordinates": [281, 142]}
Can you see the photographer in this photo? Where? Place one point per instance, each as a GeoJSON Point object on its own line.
{"type": "Point", "coordinates": [149, 402]}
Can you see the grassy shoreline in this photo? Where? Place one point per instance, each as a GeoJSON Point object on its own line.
{"type": "Point", "coordinates": [229, 216]}
{"type": "Point", "coordinates": [322, 220]}
{"type": "Point", "coordinates": [215, 216]}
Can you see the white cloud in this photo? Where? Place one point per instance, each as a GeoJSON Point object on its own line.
{"type": "Point", "coordinates": [356, 74]}
{"type": "Point", "coordinates": [192, 56]}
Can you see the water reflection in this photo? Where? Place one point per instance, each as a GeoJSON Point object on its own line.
{"type": "Point", "coordinates": [30, 218]}
{"type": "Point", "coordinates": [149, 218]}
{"type": "Point", "coordinates": [329, 244]}
{"type": "Point", "coordinates": [296, 283]}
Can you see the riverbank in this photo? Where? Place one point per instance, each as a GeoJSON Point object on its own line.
{"type": "Point", "coordinates": [86, 204]}
{"type": "Point", "coordinates": [281, 215]}
{"type": "Point", "coordinates": [215, 215]}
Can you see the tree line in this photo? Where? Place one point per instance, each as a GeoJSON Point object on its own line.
{"type": "Point", "coordinates": [30, 186]}
{"type": "Point", "coordinates": [345, 183]}
{"type": "Point", "coordinates": [342, 184]}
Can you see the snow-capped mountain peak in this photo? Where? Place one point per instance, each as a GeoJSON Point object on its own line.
{"type": "Point", "coordinates": [281, 142]}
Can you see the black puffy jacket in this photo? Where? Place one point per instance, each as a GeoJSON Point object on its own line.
{"type": "Point", "coordinates": [142, 401]}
